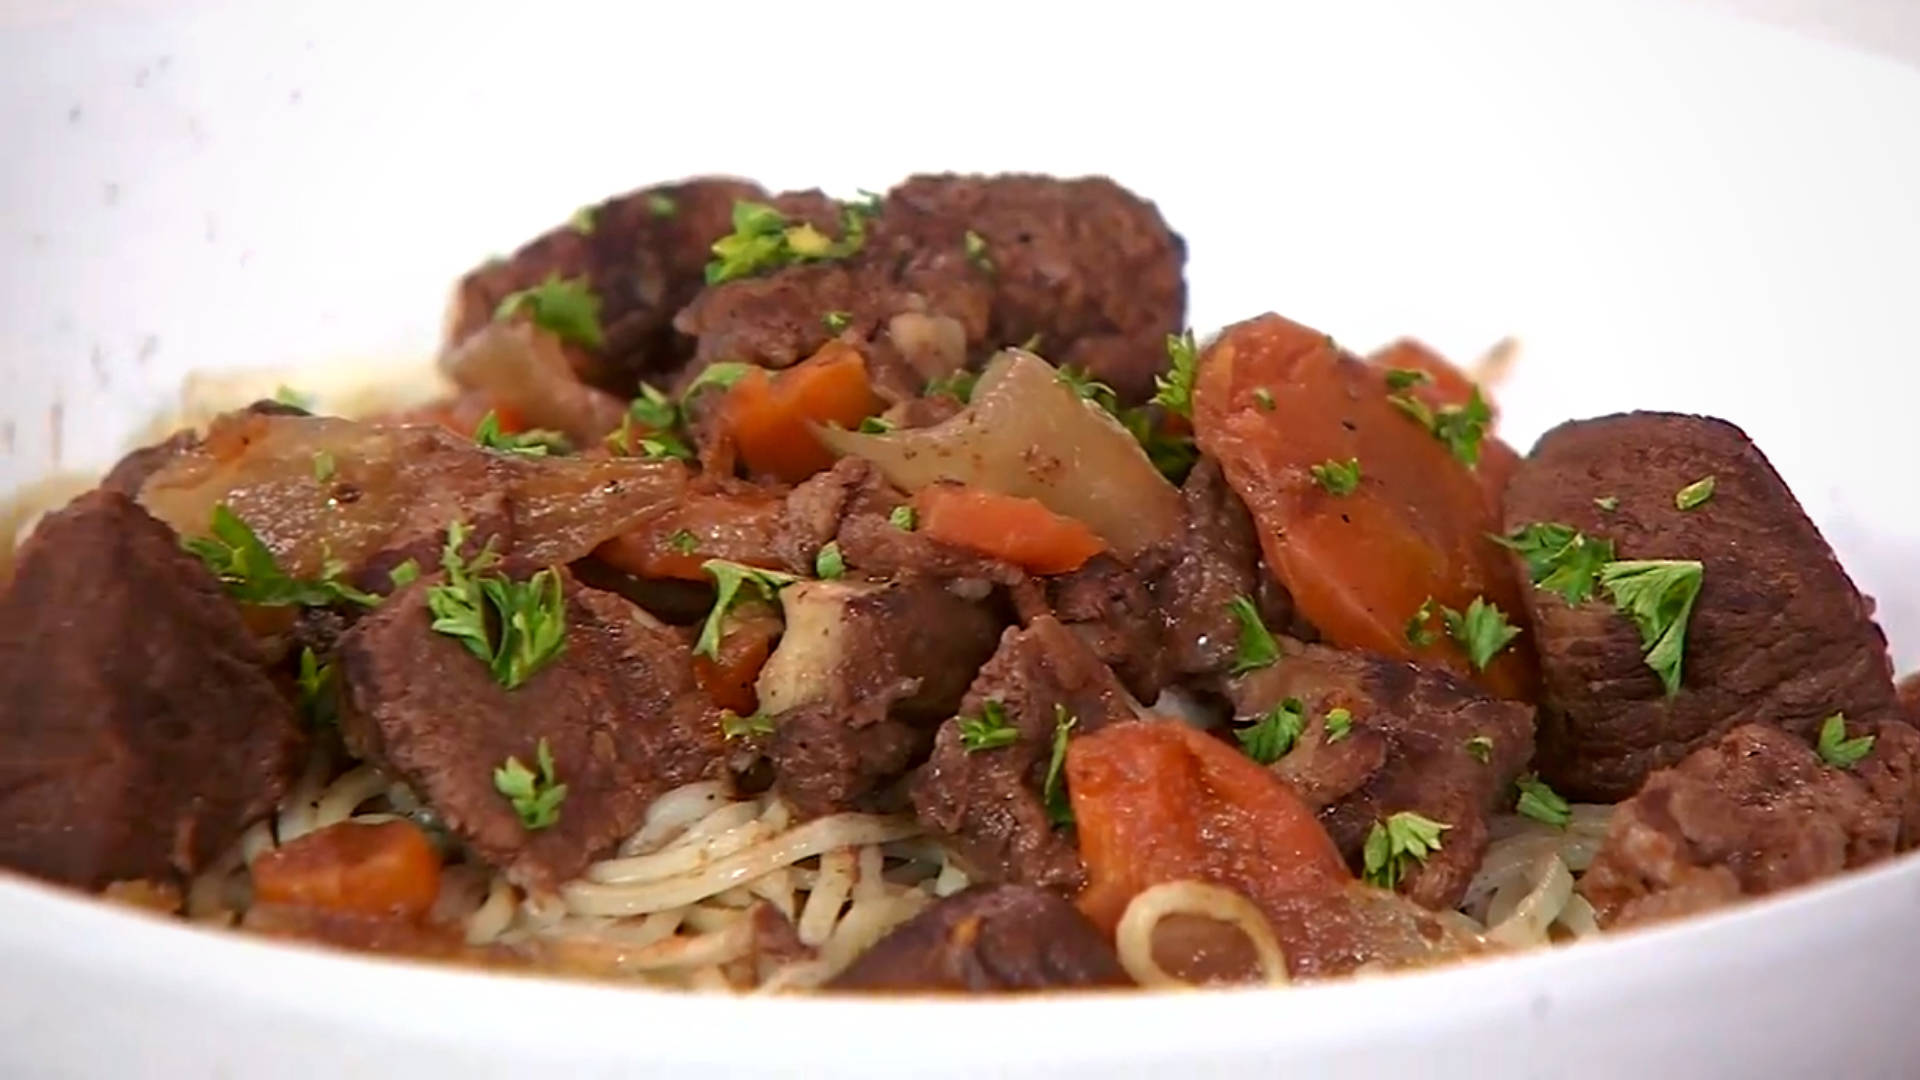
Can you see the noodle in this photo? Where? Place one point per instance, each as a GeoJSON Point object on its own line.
{"type": "Point", "coordinates": [1134, 936]}
{"type": "Point", "coordinates": [1523, 920]}
{"type": "Point", "coordinates": [345, 795]}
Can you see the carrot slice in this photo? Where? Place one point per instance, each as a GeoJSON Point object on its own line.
{"type": "Point", "coordinates": [1273, 400]}
{"type": "Point", "coordinates": [1445, 384]}
{"type": "Point", "coordinates": [1007, 527]}
{"type": "Point", "coordinates": [389, 869]}
{"type": "Point", "coordinates": [770, 419]}
{"type": "Point", "coordinates": [1157, 801]}
{"type": "Point", "coordinates": [739, 526]}
{"type": "Point", "coordinates": [745, 643]}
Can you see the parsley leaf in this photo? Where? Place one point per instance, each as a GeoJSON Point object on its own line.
{"type": "Point", "coordinates": [734, 726]}
{"type": "Point", "coordinates": [830, 564]}
{"type": "Point", "coordinates": [323, 466]}
{"type": "Point", "coordinates": [1339, 724]}
{"type": "Point", "coordinates": [1480, 748]}
{"type": "Point", "coordinates": [1257, 648]}
{"type": "Point", "coordinates": [250, 574]}
{"type": "Point", "coordinates": [1268, 739]}
{"type": "Point", "coordinates": [1607, 503]}
{"type": "Point", "coordinates": [683, 541]}
{"type": "Point", "coordinates": [662, 205]}
{"type": "Point", "coordinates": [1082, 382]}
{"type": "Point", "coordinates": [1481, 632]}
{"type": "Point", "coordinates": [536, 799]}
{"type": "Point", "coordinates": [514, 627]}
{"type": "Point", "coordinates": [287, 395]}
{"type": "Point", "coordinates": [1263, 397]}
{"type": "Point", "coordinates": [989, 730]}
{"type": "Point", "coordinates": [569, 309]}
{"type": "Point", "coordinates": [903, 518]}
{"type": "Point", "coordinates": [533, 443]}
{"type": "Point", "coordinates": [318, 702]}
{"type": "Point", "coordinates": [1541, 803]}
{"type": "Point", "coordinates": [762, 239]}
{"type": "Point", "coordinates": [1174, 390]}
{"type": "Point", "coordinates": [582, 221]}
{"type": "Point", "coordinates": [1402, 378]}
{"type": "Point", "coordinates": [728, 577]}
{"type": "Point", "coordinates": [958, 385]}
{"type": "Point", "coordinates": [1054, 791]}
{"type": "Point", "coordinates": [1337, 477]}
{"type": "Point", "coordinates": [1418, 633]}
{"type": "Point", "coordinates": [875, 425]}
{"type": "Point", "coordinates": [1658, 595]}
{"type": "Point", "coordinates": [654, 409]}
{"type": "Point", "coordinates": [836, 321]}
{"type": "Point", "coordinates": [975, 246]}
{"type": "Point", "coordinates": [1836, 749]}
{"type": "Point", "coordinates": [1560, 559]}
{"type": "Point", "coordinates": [405, 574]}
{"type": "Point", "coordinates": [721, 373]}
{"type": "Point", "coordinates": [1694, 494]}
{"type": "Point", "coordinates": [1461, 427]}
{"type": "Point", "coordinates": [1395, 844]}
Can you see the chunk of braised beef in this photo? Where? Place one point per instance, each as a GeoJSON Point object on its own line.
{"type": "Point", "coordinates": [618, 708]}
{"type": "Point", "coordinates": [1749, 813]}
{"type": "Point", "coordinates": [1406, 748]}
{"type": "Point", "coordinates": [1216, 559]}
{"type": "Point", "coordinates": [989, 803]}
{"type": "Point", "coordinates": [852, 504]}
{"type": "Point", "coordinates": [139, 730]}
{"type": "Point", "coordinates": [988, 939]}
{"type": "Point", "coordinates": [1777, 632]}
{"type": "Point", "coordinates": [1108, 604]}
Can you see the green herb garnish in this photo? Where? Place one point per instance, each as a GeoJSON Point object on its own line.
{"type": "Point", "coordinates": [728, 577]}
{"type": "Point", "coordinates": [536, 799]}
{"type": "Point", "coordinates": [988, 731]}
{"type": "Point", "coordinates": [1836, 749]}
{"type": "Point", "coordinates": [1054, 791]}
{"type": "Point", "coordinates": [1694, 494]}
{"type": "Point", "coordinates": [1257, 647]}
{"type": "Point", "coordinates": [1658, 595]}
{"type": "Point", "coordinates": [250, 574]}
{"type": "Point", "coordinates": [1268, 739]}
{"type": "Point", "coordinates": [1396, 844]}
{"type": "Point", "coordinates": [1481, 632]}
{"type": "Point", "coordinates": [1541, 803]}
{"type": "Point", "coordinates": [568, 309]}
{"type": "Point", "coordinates": [1560, 559]}
{"type": "Point", "coordinates": [829, 564]}
{"type": "Point", "coordinates": [1337, 477]}
{"type": "Point", "coordinates": [514, 627]}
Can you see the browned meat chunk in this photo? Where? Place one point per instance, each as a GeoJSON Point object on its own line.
{"type": "Point", "coordinates": [989, 939]}
{"type": "Point", "coordinates": [618, 709]}
{"type": "Point", "coordinates": [644, 254]}
{"type": "Point", "coordinates": [863, 672]}
{"type": "Point", "coordinates": [988, 803]}
{"type": "Point", "coordinates": [850, 504]}
{"type": "Point", "coordinates": [1752, 812]}
{"type": "Point", "coordinates": [1217, 559]}
{"type": "Point", "coordinates": [1408, 748]}
{"type": "Point", "coordinates": [1085, 264]}
{"type": "Point", "coordinates": [1106, 602]}
{"type": "Point", "coordinates": [1777, 632]}
{"type": "Point", "coordinates": [139, 731]}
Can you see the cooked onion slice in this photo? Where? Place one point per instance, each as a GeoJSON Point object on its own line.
{"type": "Point", "coordinates": [1134, 936]}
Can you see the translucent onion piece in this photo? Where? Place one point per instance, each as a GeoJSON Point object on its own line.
{"type": "Point", "coordinates": [1134, 935]}
{"type": "Point", "coordinates": [1028, 434]}
{"type": "Point", "coordinates": [525, 368]}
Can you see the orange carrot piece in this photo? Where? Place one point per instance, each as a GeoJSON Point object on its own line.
{"type": "Point", "coordinates": [736, 526]}
{"type": "Point", "coordinates": [1007, 527]}
{"type": "Point", "coordinates": [389, 869]}
{"type": "Point", "coordinates": [770, 419]}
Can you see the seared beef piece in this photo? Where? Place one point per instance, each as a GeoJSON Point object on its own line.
{"type": "Point", "coordinates": [863, 672]}
{"type": "Point", "coordinates": [988, 804]}
{"type": "Point", "coordinates": [389, 494]}
{"type": "Point", "coordinates": [130, 472]}
{"type": "Point", "coordinates": [1908, 691]}
{"type": "Point", "coordinates": [618, 708]}
{"type": "Point", "coordinates": [1407, 750]}
{"type": "Point", "coordinates": [1217, 560]}
{"type": "Point", "coordinates": [645, 258]}
{"type": "Point", "coordinates": [1107, 603]}
{"type": "Point", "coordinates": [1085, 264]}
{"type": "Point", "coordinates": [850, 503]}
{"type": "Point", "coordinates": [989, 939]}
{"type": "Point", "coordinates": [1778, 632]}
{"type": "Point", "coordinates": [1749, 813]}
{"type": "Point", "coordinates": [139, 731]}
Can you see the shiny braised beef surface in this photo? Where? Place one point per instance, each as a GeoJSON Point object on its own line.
{"type": "Point", "coordinates": [889, 594]}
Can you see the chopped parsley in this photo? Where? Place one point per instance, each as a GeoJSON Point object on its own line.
{"type": "Point", "coordinates": [1339, 724]}
{"type": "Point", "coordinates": [1174, 390]}
{"type": "Point", "coordinates": [1541, 803]}
{"type": "Point", "coordinates": [654, 409]}
{"type": "Point", "coordinates": [1263, 397]}
{"type": "Point", "coordinates": [1032, 344]}
{"type": "Point", "coordinates": [734, 726]}
{"type": "Point", "coordinates": [1082, 382]}
{"type": "Point", "coordinates": [1480, 748]}
{"type": "Point", "coordinates": [318, 702]}
{"type": "Point", "coordinates": [989, 730]}
{"type": "Point", "coordinates": [1402, 378]}
{"type": "Point", "coordinates": [661, 205]}
{"type": "Point", "coordinates": [536, 799]}
{"type": "Point", "coordinates": [1419, 633]}
{"type": "Point", "coordinates": [903, 518]}
{"type": "Point", "coordinates": [536, 442]}
{"type": "Point", "coordinates": [287, 395]}
{"type": "Point", "coordinates": [1054, 790]}
{"type": "Point", "coordinates": [958, 385]}
{"type": "Point", "coordinates": [975, 246]}
{"type": "Point", "coordinates": [763, 239]}
{"type": "Point", "coordinates": [875, 425]}
{"type": "Point", "coordinates": [1337, 477]}
{"type": "Point", "coordinates": [721, 373]}
{"type": "Point", "coordinates": [323, 466]}
{"type": "Point", "coordinates": [1658, 595]}
{"type": "Point", "coordinates": [1257, 648]}
{"type": "Point", "coordinates": [1481, 632]}
{"type": "Point", "coordinates": [569, 309]}
{"type": "Point", "coordinates": [1268, 739]}
{"type": "Point", "coordinates": [514, 627]}
{"type": "Point", "coordinates": [1460, 427]}
{"type": "Point", "coordinates": [1836, 749]}
{"type": "Point", "coordinates": [582, 221]}
{"type": "Point", "coordinates": [728, 577]}
{"type": "Point", "coordinates": [1394, 845]}
{"type": "Point", "coordinates": [1694, 494]}
{"type": "Point", "coordinates": [1560, 559]}
{"type": "Point", "coordinates": [248, 571]}
{"type": "Point", "coordinates": [830, 565]}
{"type": "Point", "coordinates": [1607, 503]}
{"type": "Point", "coordinates": [683, 541]}
{"type": "Point", "coordinates": [1171, 453]}
{"type": "Point", "coordinates": [404, 574]}
{"type": "Point", "coordinates": [836, 321]}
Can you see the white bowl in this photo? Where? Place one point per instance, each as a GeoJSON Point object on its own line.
{"type": "Point", "coordinates": [1669, 209]}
